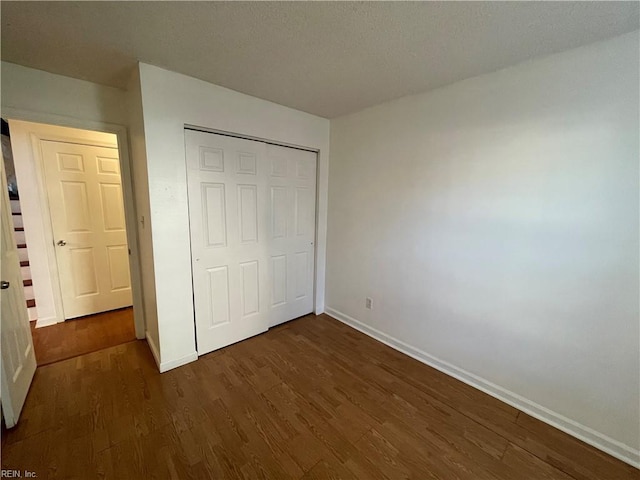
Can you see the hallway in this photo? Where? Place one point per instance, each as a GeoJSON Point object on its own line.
{"type": "Point", "coordinates": [82, 335]}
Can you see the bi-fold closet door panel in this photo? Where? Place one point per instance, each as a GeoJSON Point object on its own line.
{"type": "Point", "coordinates": [252, 221]}
{"type": "Point", "coordinates": [292, 207]}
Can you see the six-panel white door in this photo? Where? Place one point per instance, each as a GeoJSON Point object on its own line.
{"type": "Point", "coordinates": [87, 216]}
{"type": "Point", "coordinates": [252, 220]}
{"type": "Point", "coordinates": [18, 356]}
{"type": "Point", "coordinates": [292, 206]}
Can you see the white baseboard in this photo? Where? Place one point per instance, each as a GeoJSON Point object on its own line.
{"type": "Point", "coordinates": [178, 362]}
{"type": "Point", "coordinates": [45, 322]}
{"type": "Point", "coordinates": [588, 435]}
{"type": "Point", "coordinates": [170, 365]}
{"type": "Point", "coordinates": [154, 349]}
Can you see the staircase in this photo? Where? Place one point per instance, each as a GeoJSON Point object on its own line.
{"type": "Point", "coordinates": [23, 254]}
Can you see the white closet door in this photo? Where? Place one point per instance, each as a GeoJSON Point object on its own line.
{"type": "Point", "coordinates": [292, 207]}
{"type": "Point", "coordinates": [227, 183]}
{"type": "Point", "coordinates": [252, 220]}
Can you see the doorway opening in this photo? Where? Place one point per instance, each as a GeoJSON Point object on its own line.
{"type": "Point", "coordinates": [70, 219]}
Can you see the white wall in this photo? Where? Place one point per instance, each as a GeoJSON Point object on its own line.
{"type": "Point", "coordinates": [494, 223]}
{"type": "Point", "coordinates": [40, 92]}
{"type": "Point", "coordinates": [170, 101]}
{"type": "Point", "coordinates": [143, 209]}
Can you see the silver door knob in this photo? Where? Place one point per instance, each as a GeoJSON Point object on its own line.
{"type": "Point", "coordinates": [4, 285]}
{"type": "Point", "coordinates": [62, 243]}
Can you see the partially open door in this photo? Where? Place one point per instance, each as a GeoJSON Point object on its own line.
{"type": "Point", "coordinates": [84, 189]}
{"type": "Point", "coordinates": [18, 357]}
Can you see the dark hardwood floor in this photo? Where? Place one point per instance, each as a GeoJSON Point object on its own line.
{"type": "Point", "coordinates": [82, 335]}
{"type": "Point", "coordinates": [312, 399]}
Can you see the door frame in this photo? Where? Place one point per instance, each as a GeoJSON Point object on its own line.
{"type": "Point", "coordinates": [316, 212]}
{"type": "Point", "coordinates": [120, 131]}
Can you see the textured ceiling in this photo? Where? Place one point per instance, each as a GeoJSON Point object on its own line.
{"type": "Point", "coordinates": [326, 58]}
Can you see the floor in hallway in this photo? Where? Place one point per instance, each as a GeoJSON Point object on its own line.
{"type": "Point", "coordinates": [83, 335]}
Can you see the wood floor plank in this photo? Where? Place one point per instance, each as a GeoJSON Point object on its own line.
{"type": "Point", "coordinates": [311, 399]}
{"type": "Point", "coordinates": [530, 466]}
{"type": "Point", "coordinates": [330, 468]}
{"type": "Point", "coordinates": [374, 445]}
{"type": "Point", "coordinates": [82, 335]}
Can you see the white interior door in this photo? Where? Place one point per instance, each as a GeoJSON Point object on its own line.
{"type": "Point", "coordinates": [87, 217]}
{"type": "Point", "coordinates": [18, 357]}
{"type": "Point", "coordinates": [292, 207]}
{"type": "Point", "coordinates": [252, 219]}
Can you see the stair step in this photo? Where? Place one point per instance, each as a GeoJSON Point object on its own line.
{"type": "Point", "coordinates": [31, 303]}
{"type": "Point", "coordinates": [27, 283]}
{"type": "Point", "coordinates": [25, 272]}
{"type": "Point", "coordinates": [29, 294]}
{"type": "Point", "coordinates": [16, 213]}
{"type": "Point", "coordinates": [24, 263]}
{"type": "Point", "coordinates": [15, 205]}
{"type": "Point", "coordinates": [23, 254]}
{"type": "Point", "coordinates": [20, 237]}
{"type": "Point", "coordinates": [19, 229]}
{"type": "Point", "coordinates": [22, 245]}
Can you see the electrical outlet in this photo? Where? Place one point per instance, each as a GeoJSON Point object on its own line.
{"type": "Point", "coordinates": [368, 303]}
